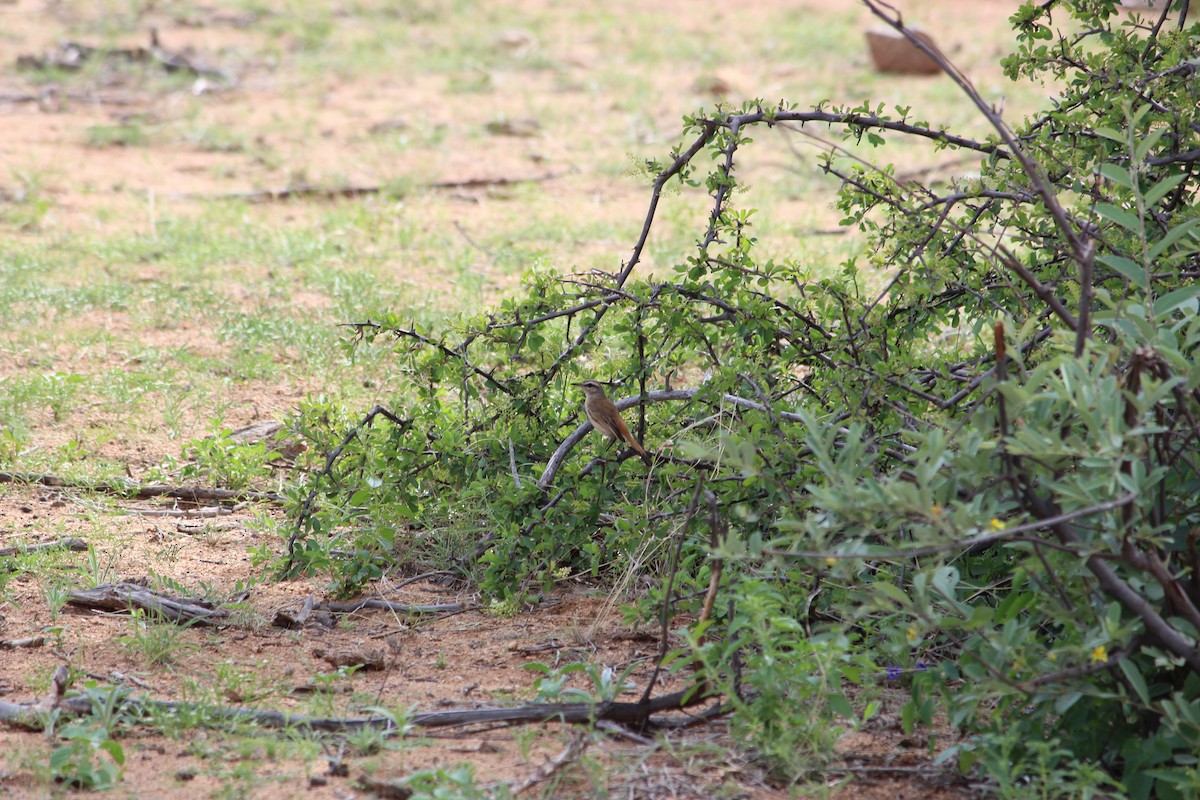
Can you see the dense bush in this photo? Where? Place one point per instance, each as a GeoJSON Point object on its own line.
{"type": "Point", "coordinates": [968, 461]}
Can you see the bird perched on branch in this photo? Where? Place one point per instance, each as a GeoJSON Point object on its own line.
{"type": "Point", "coordinates": [605, 418]}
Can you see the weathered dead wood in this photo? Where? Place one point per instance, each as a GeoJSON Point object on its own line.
{"type": "Point", "coordinates": [206, 512]}
{"type": "Point", "coordinates": [569, 754]}
{"type": "Point", "coordinates": [319, 192]}
{"type": "Point", "coordinates": [126, 596]}
{"type": "Point", "coordinates": [13, 644]}
{"type": "Point", "coordinates": [71, 57]}
{"type": "Point", "coordinates": [383, 788]}
{"type": "Point", "coordinates": [321, 612]}
{"type": "Point", "coordinates": [51, 98]}
{"type": "Point", "coordinates": [190, 494]}
{"type": "Point", "coordinates": [351, 606]}
{"type": "Point", "coordinates": [68, 543]}
{"type": "Point", "coordinates": [284, 618]}
{"type": "Point", "coordinates": [635, 714]}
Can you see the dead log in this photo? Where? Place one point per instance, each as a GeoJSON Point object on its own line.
{"type": "Point", "coordinates": [127, 596]}
{"type": "Point", "coordinates": [68, 543]}
{"type": "Point", "coordinates": [636, 714]}
{"type": "Point", "coordinates": [190, 494]}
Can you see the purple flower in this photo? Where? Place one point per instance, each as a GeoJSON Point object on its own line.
{"type": "Point", "coordinates": [921, 666]}
{"type": "Point", "coordinates": [892, 672]}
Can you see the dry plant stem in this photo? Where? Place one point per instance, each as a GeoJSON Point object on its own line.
{"type": "Point", "coordinates": [181, 513]}
{"type": "Point", "coordinates": [460, 353]}
{"type": "Point", "coordinates": [386, 605]}
{"type": "Point", "coordinates": [13, 644]}
{"type": "Point", "coordinates": [575, 747]}
{"type": "Point", "coordinates": [718, 530]}
{"type": "Point", "coordinates": [1114, 658]}
{"type": "Point", "coordinates": [658, 396]}
{"type": "Point", "coordinates": [660, 182]}
{"type": "Point", "coordinates": [664, 615]}
{"type": "Point", "coordinates": [512, 465]}
{"type": "Point", "coordinates": [306, 190]}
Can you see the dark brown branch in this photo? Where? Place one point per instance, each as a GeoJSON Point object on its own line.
{"type": "Point", "coordinates": [1115, 587]}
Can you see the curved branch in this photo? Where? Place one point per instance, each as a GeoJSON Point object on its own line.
{"type": "Point", "coordinates": [658, 396]}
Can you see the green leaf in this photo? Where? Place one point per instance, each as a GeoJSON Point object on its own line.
{"type": "Point", "coordinates": [1134, 676]}
{"type": "Point", "coordinates": [1109, 133]}
{"type": "Point", "coordinates": [1179, 298]}
{"type": "Point", "coordinates": [1159, 190]}
{"type": "Point", "coordinates": [945, 581]}
{"type": "Point", "coordinates": [1066, 701]}
{"type": "Point", "coordinates": [841, 706]}
{"type": "Point", "coordinates": [1126, 267]}
{"type": "Point", "coordinates": [1173, 235]}
{"type": "Point", "coordinates": [1123, 217]}
{"type": "Point", "coordinates": [1148, 141]}
{"type": "Point", "coordinates": [1117, 175]}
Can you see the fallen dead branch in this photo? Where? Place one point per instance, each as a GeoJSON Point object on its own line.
{"type": "Point", "coordinates": [386, 605]}
{"type": "Point", "coordinates": [569, 754]}
{"type": "Point", "coordinates": [385, 789]}
{"type": "Point", "coordinates": [636, 714]}
{"type": "Point", "coordinates": [321, 613]}
{"type": "Point", "coordinates": [71, 57]}
{"type": "Point", "coordinates": [126, 596]}
{"type": "Point", "coordinates": [319, 192]}
{"type": "Point", "coordinates": [68, 543]}
{"type": "Point", "coordinates": [13, 644]}
{"type": "Point", "coordinates": [183, 513]}
{"type": "Point", "coordinates": [190, 494]}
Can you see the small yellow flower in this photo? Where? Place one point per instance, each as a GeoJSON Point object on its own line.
{"type": "Point", "coordinates": [997, 525]}
{"type": "Point", "coordinates": [1100, 655]}
{"type": "Point", "coordinates": [1052, 656]}
{"type": "Point", "coordinates": [936, 510]}
{"type": "Point", "coordinates": [911, 633]}
{"type": "Point", "coordinates": [831, 562]}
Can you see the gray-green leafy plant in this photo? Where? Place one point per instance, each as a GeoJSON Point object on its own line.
{"type": "Point", "coordinates": [965, 462]}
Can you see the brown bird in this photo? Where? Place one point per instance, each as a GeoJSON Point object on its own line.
{"type": "Point", "coordinates": [605, 418]}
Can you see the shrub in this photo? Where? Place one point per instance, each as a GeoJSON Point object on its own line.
{"type": "Point", "coordinates": [968, 456]}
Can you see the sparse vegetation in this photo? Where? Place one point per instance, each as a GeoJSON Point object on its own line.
{"type": "Point", "coordinates": [149, 311]}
